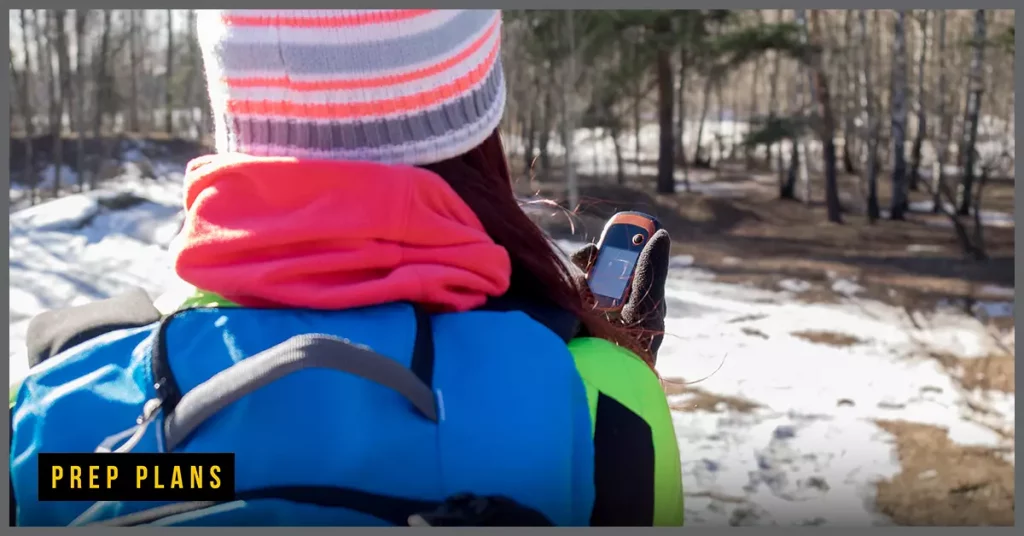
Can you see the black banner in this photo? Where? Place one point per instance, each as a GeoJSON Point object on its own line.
{"type": "Point", "coordinates": [136, 477]}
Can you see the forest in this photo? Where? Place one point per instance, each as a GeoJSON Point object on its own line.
{"type": "Point", "coordinates": [878, 103]}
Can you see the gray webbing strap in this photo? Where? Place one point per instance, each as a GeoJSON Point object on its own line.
{"type": "Point", "coordinates": [298, 353]}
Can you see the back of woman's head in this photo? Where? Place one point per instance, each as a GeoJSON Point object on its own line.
{"type": "Point", "coordinates": [415, 87]}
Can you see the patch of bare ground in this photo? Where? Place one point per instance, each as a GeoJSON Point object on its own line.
{"type": "Point", "coordinates": [755, 238]}
{"type": "Point", "coordinates": [992, 373]}
{"type": "Point", "coordinates": [989, 373]}
{"type": "Point", "coordinates": [829, 338]}
{"type": "Point", "coordinates": [945, 484]}
{"type": "Point", "coordinates": [698, 399]}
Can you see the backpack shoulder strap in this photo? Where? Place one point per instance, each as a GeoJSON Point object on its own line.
{"type": "Point", "coordinates": [52, 332]}
{"type": "Point", "coordinates": [563, 323]}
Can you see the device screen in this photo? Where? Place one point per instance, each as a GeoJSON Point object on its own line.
{"type": "Point", "coordinates": [612, 271]}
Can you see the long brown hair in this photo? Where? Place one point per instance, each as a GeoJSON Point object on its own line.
{"type": "Point", "coordinates": [481, 178]}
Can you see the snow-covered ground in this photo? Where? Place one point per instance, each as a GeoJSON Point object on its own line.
{"type": "Point", "coordinates": [809, 454]}
{"type": "Point", "coordinates": [74, 250]}
{"type": "Point", "coordinates": [812, 452]}
{"type": "Point", "coordinates": [594, 150]}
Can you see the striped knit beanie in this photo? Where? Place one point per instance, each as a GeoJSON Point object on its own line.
{"type": "Point", "coordinates": [395, 86]}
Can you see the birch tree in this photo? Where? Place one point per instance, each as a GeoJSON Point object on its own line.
{"type": "Point", "coordinates": [666, 162]}
{"type": "Point", "coordinates": [898, 110]}
{"type": "Point", "coordinates": [134, 59]}
{"type": "Point", "coordinates": [972, 113]}
{"type": "Point", "coordinates": [27, 106]}
{"type": "Point", "coordinates": [826, 129]}
{"type": "Point", "coordinates": [78, 99]}
{"type": "Point", "coordinates": [58, 90]}
{"type": "Point", "coordinates": [800, 146]}
{"type": "Point", "coordinates": [946, 118]}
{"type": "Point", "coordinates": [870, 110]}
{"type": "Point", "coordinates": [921, 100]}
{"type": "Point", "coordinates": [568, 122]}
{"type": "Point", "coordinates": [169, 76]}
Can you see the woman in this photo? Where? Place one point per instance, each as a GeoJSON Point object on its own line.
{"type": "Point", "coordinates": [359, 212]}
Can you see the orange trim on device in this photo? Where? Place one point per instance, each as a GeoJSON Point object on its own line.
{"type": "Point", "coordinates": [633, 219]}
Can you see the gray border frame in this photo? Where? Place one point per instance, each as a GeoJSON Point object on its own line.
{"type": "Point", "coordinates": [520, 4]}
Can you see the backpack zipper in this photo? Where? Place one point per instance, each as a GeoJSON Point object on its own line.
{"type": "Point", "coordinates": [133, 434]}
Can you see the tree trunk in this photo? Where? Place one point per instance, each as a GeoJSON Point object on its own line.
{"type": "Point", "coordinates": [133, 50]}
{"type": "Point", "coordinates": [103, 81]}
{"type": "Point", "coordinates": [972, 113]}
{"type": "Point", "coordinates": [169, 76]}
{"type": "Point", "coordinates": [827, 128]}
{"type": "Point", "coordinates": [637, 101]}
{"type": "Point", "coordinates": [922, 115]}
{"type": "Point", "coordinates": [194, 67]}
{"type": "Point", "coordinates": [569, 120]}
{"type": "Point", "coordinates": [978, 241]}
{"type": "Point", "coordinates": [40, 18]}
{"type": "Point", "coordinates": [637, 125]}
{"type": "Point", "coordinates": [773, 108]}
{"type": "Point", "coordinates": [734, 108]}
{"type": "Point", "coordinates": [698, 151]}
{"type": "Point", "coordinates": [104, 96]}
{"type": "Point", "coordinates": [58, 90]}
{"type": "Point", "coordinates": [884, 98]}
{"type": "Point", "coordinates": [748, 152]}
{"type": "Point", "coordinates": [530, 142]}
{"type": "Point", "coordinates": [684, 67]}
{"type": "Point", "coordinates": [689, 29]}
{"type": "Point", "coordinates": [720, 126]}
{"type": "Point", "coordinates": [870, 111]}
{"type": "Point", "coordinates": [620, 173]}
{"type": "Point", "coordinates": [44, 62]}
{"type": "Point", "coordinates": [946, 118]}
{"type": "Point", "coordinates": [666, 165]}
{"type": "Point", "coordinates": [900, 194]}
{"type": "Point", "coordinates": [27, 110]}
{"type": "Point", "coordinates": [800, 96]}
{"type": "Point", "coordinates": [788, 188]}
{"type": "Point", "coordinates": [547, 124]}
{"type": "Point", "coordinates": [81, 17]}
{"type": "Point", "coordinates": [851, 156]}
{"type": "Point", "coordinates": [680, 99]}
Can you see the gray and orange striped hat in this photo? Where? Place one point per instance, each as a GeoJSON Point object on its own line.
{"type": "Point", "coordinates": [389, 85]}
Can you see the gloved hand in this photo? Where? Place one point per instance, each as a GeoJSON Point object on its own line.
{"type": "Point", "coordinates": [645, 308]}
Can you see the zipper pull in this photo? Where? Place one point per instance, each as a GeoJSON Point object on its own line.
{"type": "Point", "coordinates": [133, 434]}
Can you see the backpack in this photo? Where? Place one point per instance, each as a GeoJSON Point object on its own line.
{"type": "Point", "coordinates": [364, 417]}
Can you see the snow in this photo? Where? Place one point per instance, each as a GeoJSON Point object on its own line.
{"type": "Point", "coordinates": [680, 261]}
{"type": "Point", "coordinates": [846, 287]}
{"type": "Point", "coordinates": [923, 248]}
{"type": "Point", "coordinates": [810, 453]}
{"type": "Point", "coordinates": [62, 214]}
{"type": "Point", "coordinates": [818, 402]}
{"type": "Point", "coordinates": [989, 218]}
{"type": "Point", "coordinates": [73, 250]}
{"type": "Point", "coordinates": [997, 291]}
{"type": "Point", "coordinates": [794, 285]}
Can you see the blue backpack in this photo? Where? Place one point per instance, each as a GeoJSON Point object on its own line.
{"type": "Point", "coordinates": [364, 417]}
